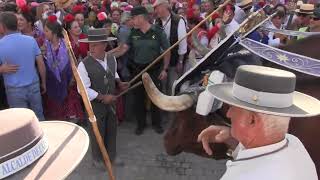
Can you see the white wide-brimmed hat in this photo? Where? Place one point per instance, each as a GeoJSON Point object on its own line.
{"type": "Point", "coordinates": [266, 90]}
{"type": "Point", "coordinates": [39, 150]}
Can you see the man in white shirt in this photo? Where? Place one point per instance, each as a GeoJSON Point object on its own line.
{"type": "Point", "coordinates": [231, 24]}
{"type": "Point", "coordinates": [175, 28]}
{"type": "Point", "coordinates": [262, 100]}
{"type": "Point", "coordinates": [99, 74]}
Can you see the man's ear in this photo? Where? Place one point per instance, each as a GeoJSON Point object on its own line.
{"type": "Point", "coordinates": [255, 119]}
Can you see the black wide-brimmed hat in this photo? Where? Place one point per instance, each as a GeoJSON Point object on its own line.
{"type": "Point", "coordinates": [266, 90]}
{"type": "Point", "coordinates": [97, 35]}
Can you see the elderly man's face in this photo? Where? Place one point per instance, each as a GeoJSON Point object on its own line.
{"type": "Point", "coordinates": [241, 127]}
{"type": "Point", "coordinates": [97, 48]}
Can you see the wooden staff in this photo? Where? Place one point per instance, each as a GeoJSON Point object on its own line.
{"type": "Point", "coordinates": [87, 104]}
{"type": "Point", "coordinates": [175, 44]}
{"type": "Point", "coordinates": [127, 90]}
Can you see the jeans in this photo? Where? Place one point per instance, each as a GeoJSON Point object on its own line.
{"type": "Point", "coordinates": [26, 97]}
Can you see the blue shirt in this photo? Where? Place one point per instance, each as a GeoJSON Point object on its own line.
{"type": "Point", "coordinates": [20, 50]}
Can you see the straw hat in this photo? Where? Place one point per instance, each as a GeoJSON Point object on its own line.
{"type": "Point", "coordinates": [266, 90]}
{"type": "Point", "coordinates": [39, 150]}
{"type": "Point", "coordinates": [305, 9]}
{"type": "Point", "coordinates": [244, 4]}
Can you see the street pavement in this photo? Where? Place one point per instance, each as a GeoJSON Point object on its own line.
{"type": "Point", "coordinates": [144, 158]}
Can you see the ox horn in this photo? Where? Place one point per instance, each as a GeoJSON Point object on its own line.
{"type": "Point", "coordinates": [164, 102]}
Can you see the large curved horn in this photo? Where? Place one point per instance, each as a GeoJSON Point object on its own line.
{"type": "Point", "coordinates": [164, 102]}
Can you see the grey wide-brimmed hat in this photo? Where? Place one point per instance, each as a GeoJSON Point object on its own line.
{"type": "Point", "coordinates": [266, 90]}
{"type": "Point", "coordinates": [97, 35]}
{"type": "Point", "coordinates": [38, 150]}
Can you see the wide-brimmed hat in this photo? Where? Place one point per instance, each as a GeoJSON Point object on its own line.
{"type": "Point", "coordinates": [39, 150]}
{"type": "Point", "coordinates": [244, 4]}
{"type": "Point", "coordinates": [305, 9]}
{"type": "Point", "coordinates": [159, 2]}
{"type": "Point", "coordinates": [97, 35]}
{"type": "Point", "coordinates": [266, 90]}
{"type": "Point", "coordinates": [63, 3]}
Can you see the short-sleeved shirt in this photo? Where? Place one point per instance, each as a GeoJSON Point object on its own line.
{"type": "Point", "coordinates": [19, 50]}
{"type": "Point", "coordinates": [147, 46]}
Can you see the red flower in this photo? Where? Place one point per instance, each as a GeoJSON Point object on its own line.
{"type": "Point", "coordinates": [214, 16]}
{"type": "Point", "coordinates": [77, 9]}
{"type": "Point", "coordinates": [102, 16]}
{"type": "Point", "coordinates": [21, 3]}
{"type": "Point", "coordinates": [25, 9]}
{"type": "Point", "coordinates": [52, 19]}
{"type": "Point", "coordinates": [68, 18]}
{"type": "Point", "coordinates": [261, 4]}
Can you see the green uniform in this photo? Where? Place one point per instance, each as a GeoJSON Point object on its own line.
{"type": "Point", "coordinates": [303, 29]}
{"type": "Point", "coordinates": [147, 46]}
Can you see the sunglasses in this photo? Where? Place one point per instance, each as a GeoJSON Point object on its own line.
{"type": "Point", "coordinates": [315, 19]}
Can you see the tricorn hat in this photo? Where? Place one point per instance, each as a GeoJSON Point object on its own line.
{"type": "Point", "coordinates": [305, 9]}
{"type": "Point", "coordinates": [39, 150]}
{"type": "Point", "coordinates": [266, 90]}
{"type": "Point", "coordinates": [97, 35]}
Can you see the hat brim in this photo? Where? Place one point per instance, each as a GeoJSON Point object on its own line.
{"type": "Point", "coordinates": [68, 144]}
{"type": "Point", "coordinates": [303, 105]}
{"type": "Point", "coordinates": [308, 13]}
{"type": "Point", "coordinates": [86, 40]}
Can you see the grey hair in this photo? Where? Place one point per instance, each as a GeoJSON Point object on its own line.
{"type": "Point", "coordinates": [273, 125]}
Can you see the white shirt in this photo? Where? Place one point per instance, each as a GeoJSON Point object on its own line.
{"type": "Point", "coordinates": [231, 27]}
{"type": "Point", "coordinates": [86, 80]}
{"type": "Point", "coordinates": [274, 42]}
{"type": "Point", "coordinates": [239, 14]}
{"type": "Point", "coordinates": [287, 160]}
{"type": "Point", "coordinates": [182, 31]}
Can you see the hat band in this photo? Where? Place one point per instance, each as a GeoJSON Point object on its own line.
{"type": "Point", "coordinates": [97, 38]}
{"type": "Point", "coordinates": [264, 99]}
{"type": "Point", "coordinates": [306, 11]}
{"type": "Point", "coordinates": [23, 160]}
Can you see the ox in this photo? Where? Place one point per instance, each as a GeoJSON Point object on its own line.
{"type": "Point", "coordinates": [182, 134]}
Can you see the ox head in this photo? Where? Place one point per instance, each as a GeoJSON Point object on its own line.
{"type": "Point", "coordinates": [184, 129]}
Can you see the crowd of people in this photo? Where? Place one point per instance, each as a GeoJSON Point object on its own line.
{"type": "Point", "coordinates": [113, 41]}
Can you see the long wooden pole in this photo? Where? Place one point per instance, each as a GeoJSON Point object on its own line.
{"type": "Point", "coordinates": [159, 58]}
{"type": "Point", "coordinates": [127, 90]}
{"type": "Point", "coordinates": [88, 107]}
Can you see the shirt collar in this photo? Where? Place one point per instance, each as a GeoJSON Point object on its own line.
{"type": "Point", "coordinates": [166, 19]}
{"type": "Point", "coordinates": [242, 153]}
{"type": "Point", "coordinates": [12, 34]}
